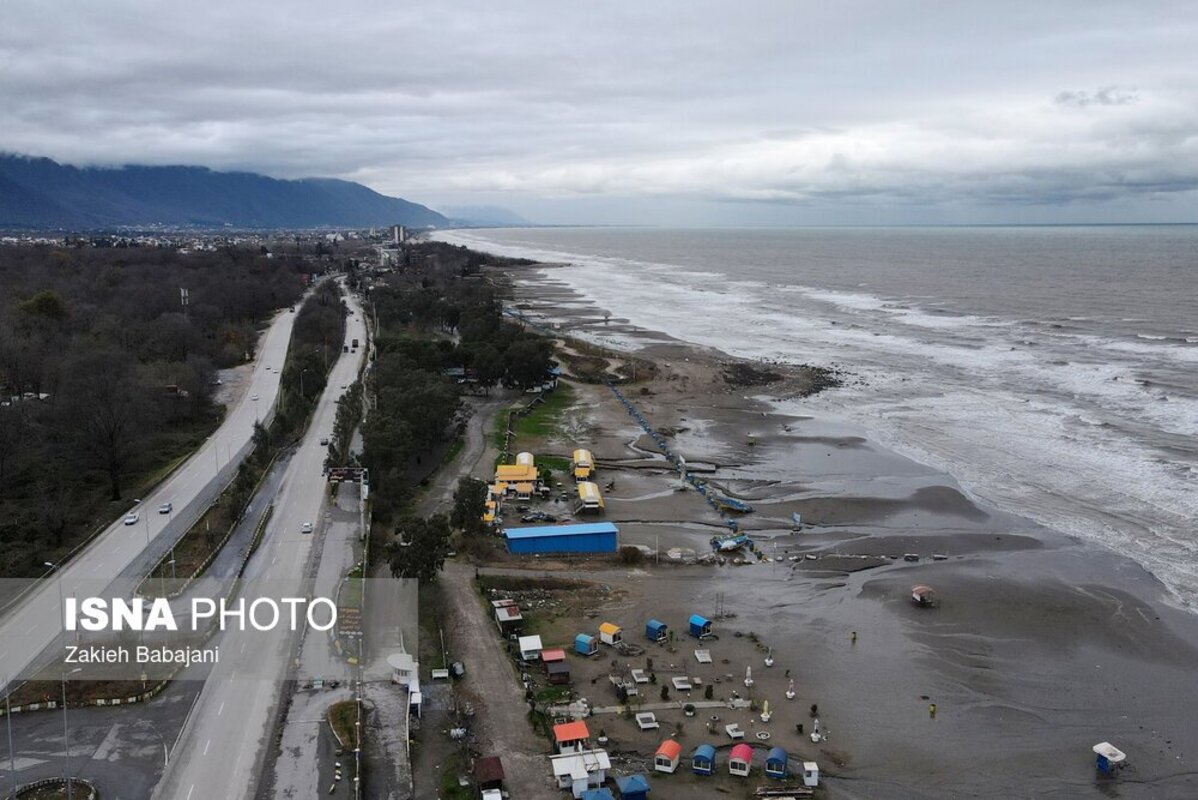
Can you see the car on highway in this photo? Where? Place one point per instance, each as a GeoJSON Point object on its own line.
{"type": "Point", "coordinates": [324, 441]}
{"type": "Point", "coordinates": [165, 508]}
{"type": "Point", "coordinates": [254, 397]}
{"type": "Point", "coordinates": [306, 527]}
{"type": "Point", "coordinates": [132, 517]}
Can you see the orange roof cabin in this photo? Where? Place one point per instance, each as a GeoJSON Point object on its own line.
{"type": "Point", "coordinates": [554, 656]}
{"type": "Point", "coordinates": [571, 737]}
{"type": "Point", "coordinates": [668, 754]}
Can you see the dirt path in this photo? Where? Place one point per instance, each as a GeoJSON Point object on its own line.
{"type": "Point", "coordinates": [439, 496]}
{"type": "Point", "coordinates": [491, 686]}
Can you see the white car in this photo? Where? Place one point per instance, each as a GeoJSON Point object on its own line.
{"type": "Point", "coordinates": [165, 508]}
{"type": "Point", "coordinates": [306, 527]}
{"type": "Point", "coordinates": [254, 397]}
{"type": "Point", "coordinates": [131, 518]}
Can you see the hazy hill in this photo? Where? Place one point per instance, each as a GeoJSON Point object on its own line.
{"type": "Point", "coordinates": [41, 193]}
{"type": "Point", "coordinates": [487, 215]}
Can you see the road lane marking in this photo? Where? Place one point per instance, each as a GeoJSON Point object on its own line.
{"type": "Point", "coordinates": [189, 791]}
{"type": "Point", "coordinates": [206, 746]}
{"type": "Point", "coordinates": [220, 710]}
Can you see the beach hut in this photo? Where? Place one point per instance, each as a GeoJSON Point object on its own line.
{"type": "Point", "coordinates": [515, 473]}
{"type": "Point", "coordinates": [602, 793]}
{"type": "Point", "coordinates": [633, 787]}
{"type": "Point", "coordinates": [667, 756]}
{"type": "Point", "coordinates": [586, 645]}
{"type": "Point", "coordinates": [740, 761]}
{"type": "Point", "coordinates": [655, 631]}
{"type": "Point", "coordinates": [508, 617]}
{"type": "Point", "coordinates": [700, 626]}
{"type": "Point", "coordinates": [580, 771]}
{"type": "Point", "coordinates": [558, 672]}
{"type": "Point", "coordinates": [530, 647]}
{"type": "Point", "coordinates": [810, 773]}
{"type": "Point", "coordinates": [488, 773]}
{"type": "Point", "coordinates": [571, 737]}
{"type": "Point", "coordinates": [525, 459]}
{"type": "Point", "coordinates": [611, 633]}
{"type": "Point", "coordinates": [553, 656]}
{"type": "Point", "coordinates": [703, 760]}
{"type": "Point", "coordinates": [775, 763]}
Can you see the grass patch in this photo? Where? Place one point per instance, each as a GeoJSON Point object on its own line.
{"type": "Point", "coordinates": [431, 608]}
{"type": "Point", "coordinates": [543, 420]}
{"type": "Point", "coordinates": [450, 788]}
{"type": "Point", "coordinates": [343, 718]}
{"type": "Point", "coordinates": [552, 695]}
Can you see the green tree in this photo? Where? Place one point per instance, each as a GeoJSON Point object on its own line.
{"type": "Point", "coordinates": [468, 506]}
{"type": "Point", "coordinates": [488, 366]}
{"type": "Point", "coordinates": [422, 548]}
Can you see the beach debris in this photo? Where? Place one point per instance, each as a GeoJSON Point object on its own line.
{"type": "Point", "coordinates": [1108, 759]}
{"type": "Point", "coordinates": [765, 712]}
{"type": "Point", "coordinates": [769, 658]}
{"type": "Point", "coordinates": [790, 690]}
{"type": "Point", "coordinates": [932, 710]}
{"type": "Point", "coordinates": [797, 519]}
{"type": "Point", "coordinates": [853, 637]}
{"type": "Point", "coordinates": [923, 596]}
{"type": "Point", "coordinates": [816, 735]}
{"type": "Point", "coordinates": [748, 677]}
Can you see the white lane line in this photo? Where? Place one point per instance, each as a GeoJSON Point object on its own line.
{"type": "Point", "coordinates": [220, 710]}
{"type": "Point", "coordinates": [206, 744]}
{"type": "Point", "coordinates": [243, 647]}
{"type": "Point", "coordinates": [189, 791]}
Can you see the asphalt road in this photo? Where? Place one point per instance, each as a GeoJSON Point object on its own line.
{"type": "Point", "coordinates": [223, 746]}
{"type": "Point", "coordinates": [34, 622]}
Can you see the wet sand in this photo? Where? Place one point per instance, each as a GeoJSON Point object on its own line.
{"type": "Point", "coordinates": [1042, 645]}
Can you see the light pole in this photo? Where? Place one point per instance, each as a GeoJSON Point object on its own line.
{"type": "Point", "coordinates": [12, 754]}
{"type": "Point", "coordinates": [256, 417]}
{"type": "Point", "coordinates": [66, 738]}
{"type": "Point", "coordinates": [62, 603]}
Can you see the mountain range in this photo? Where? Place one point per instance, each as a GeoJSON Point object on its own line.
{"type": "Point", "coordinates": [41, 193]}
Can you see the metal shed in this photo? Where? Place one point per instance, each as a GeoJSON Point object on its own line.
{"type": "Point", "coordinates": [703, 760]}
{"type": "Point", "coordinates": [700, 626]}
{"type": "Point", "coordinates": [559, 672]}
{"type": "Point", "coordinates": [530, 647]}
{"type": "Point", "coordinates": [586, 645]}
{"type": "Point", "coordinates": [740, 762]}
{"type": "Point", "coordinates": [633, 787]}
{"type": "Point", "coordinates": [655, 631]}
{"type": "Point", "coordinates": [488, 772]}
{"type": "Point", "coordinates": [596, 537]}
{"type": "Point", "coordinates": [602, 793]}
{"type": "Point", "coordinates": [610, 633]}
{"type": "Point", "coordinates": [775, 763]}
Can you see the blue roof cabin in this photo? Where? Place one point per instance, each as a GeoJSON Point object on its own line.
{"type": "Point", "coordinates": [633, 787]}
{"type": "Point", "coordinates": [700, 626]}
{"type": "Point", "coordinates": [655, 631]}
{"type": "Point", "coordinates": [602, 793]}
{"type": "Point", "coordinates": [703, 760]}
{"type": "Point", "coordinates": [586, 645]}
{"type": "Point", "coordinates": [599, 537]}
{"type": "Point", "coordinates": [775, 763]}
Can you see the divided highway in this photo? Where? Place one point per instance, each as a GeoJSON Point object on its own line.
{"type": "Point", "coordinates": [223, 745]}
{"type": "Point", "coordinates": [34, 622]}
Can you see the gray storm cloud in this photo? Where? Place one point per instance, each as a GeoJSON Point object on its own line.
{"type": "Point", "coordinates": [790, 104]}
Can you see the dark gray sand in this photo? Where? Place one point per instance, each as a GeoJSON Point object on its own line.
{"type": "Point", "coordinates": [1041, 646]}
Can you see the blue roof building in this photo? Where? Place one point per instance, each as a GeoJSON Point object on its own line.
{"type": "Point", "coordinates": [586, 645]}
{"type": "Point", "coordinates": [595, 537]}
{"type": "Point", "coordinates": [703, 760]}
{"type": "Point", "coordinates": [602, 793]}
{"type": "Point", "coordinates": [655, 631]}
{"type": "Point", "coordinates": [775, 763]}
{"type": "Point", "coordinates": [700, 626]}
{"type": "Point", "coordinates": [633, 787]}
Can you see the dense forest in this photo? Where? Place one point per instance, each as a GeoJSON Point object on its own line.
{"type": "Point", "coordinates": [106, 379]}
{"type": "Point", "coordinates": [440, 333]}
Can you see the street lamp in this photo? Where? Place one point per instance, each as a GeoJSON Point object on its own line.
{"type": "Point", "coordinates": [62, 603]}
{"type": "Point", "coordinates": [66, 739]}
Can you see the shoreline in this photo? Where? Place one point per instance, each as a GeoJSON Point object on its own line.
{"type": "Point", "coordinates": [1029, 611]}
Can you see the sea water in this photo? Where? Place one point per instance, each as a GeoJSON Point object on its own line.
{"type": "Point", "coordinates": [1052, 370]}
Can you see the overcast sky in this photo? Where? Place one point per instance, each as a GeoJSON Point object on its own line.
{"type": "Point", "coordinates": [657, 112]}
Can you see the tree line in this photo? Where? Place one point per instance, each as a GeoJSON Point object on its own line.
{"type": "Point", "coordinates": [106, 376]}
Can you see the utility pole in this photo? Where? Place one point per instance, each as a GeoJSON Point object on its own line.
{"type": "Point", "coordinates": [12, 754]}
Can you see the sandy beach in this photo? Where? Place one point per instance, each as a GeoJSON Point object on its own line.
{"type": "Point", "coordinates": [1040, 647]}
